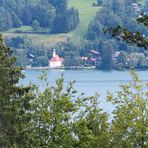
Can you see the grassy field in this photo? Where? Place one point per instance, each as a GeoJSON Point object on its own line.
{"type": "Point", "coordinates": [86, 12]}
{"type": "Point", "coordinates": [23, 28]}
{"type": "Point", "coordinates": [41, 39]}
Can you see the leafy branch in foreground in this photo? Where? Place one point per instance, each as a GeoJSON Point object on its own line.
{"type": "Point", "coordinates": [131, 37]}
{"type": "Point", "coordinates": [143, 19]}
{"type": "Point", "coordinates": [129, 126]}
{"type": "Point", "coordinates": [63, 118]}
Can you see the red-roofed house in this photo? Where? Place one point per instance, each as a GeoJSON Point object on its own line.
{"type": "Point", "coordinates": [94, 52]}
{"type": "Point", "coordinates": [56, 61]}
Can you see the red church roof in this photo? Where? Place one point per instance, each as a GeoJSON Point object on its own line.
{"type": "Point", "coordinates": [56, 58]}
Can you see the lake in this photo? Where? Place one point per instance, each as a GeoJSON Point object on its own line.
{"type": "Point", "coordinates": [88, 81]}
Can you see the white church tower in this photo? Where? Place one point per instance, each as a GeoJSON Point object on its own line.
{"type": "Point", "coordinates": [56, 61]}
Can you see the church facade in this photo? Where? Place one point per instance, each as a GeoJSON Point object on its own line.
{"type": "Point", "coordinates": [56, 61]}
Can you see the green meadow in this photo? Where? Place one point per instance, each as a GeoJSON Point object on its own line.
{"type": "Point", "coordinates": [86, 13]}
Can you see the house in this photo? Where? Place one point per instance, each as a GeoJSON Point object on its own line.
{"type": "Point", "coordinates": [56, 61]}
{"type": "Point", "coordinates": [115, 56]}
{"type": "Point", "coordinates": [93, 60]}
{"type": "Point", "coordinates": [30, 57]}
{"type": "Point", "coordinates": [94, 52]}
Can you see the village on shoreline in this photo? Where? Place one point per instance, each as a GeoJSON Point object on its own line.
{"type": "Point", "coordinates": [57, 62]}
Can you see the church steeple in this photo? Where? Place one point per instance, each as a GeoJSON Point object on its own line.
{"type": "Point", "coordinates": [56, 61]}
{"type": "Point", "coordinates": [54, 52]}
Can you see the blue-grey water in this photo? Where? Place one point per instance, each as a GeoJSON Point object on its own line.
{"type": "Point", "coordinates": [88, 81]}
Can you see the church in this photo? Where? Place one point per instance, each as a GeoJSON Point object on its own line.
{"type": "Point", "coordinates": [56, 61]}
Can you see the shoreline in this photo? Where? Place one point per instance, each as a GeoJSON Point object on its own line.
{"type": "Point", "coordinates": [75, 68]}
{"type": "Point", "coordinates": [62, 68]}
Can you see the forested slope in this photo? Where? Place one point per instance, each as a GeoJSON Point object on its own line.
{"type": "Point", "coordinates": [56, 16]}
{"type": "Point", "coordinates": [76, 28]}
{"type": "Point", "coordinates": [40, 35]}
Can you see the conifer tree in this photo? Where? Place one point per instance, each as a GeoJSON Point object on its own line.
{"type": "Point", "coordinates": [14, 101]}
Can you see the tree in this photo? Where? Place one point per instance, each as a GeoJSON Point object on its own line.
{"type": "Point", "coordinates": [20, 57]}
{"type": "Point", "coordinates": [5, 22]}
{"type": "Point", "coordinates": [73, 17]}
{"type": "Point", "coordinates": [122, 58]}
{"type": "Point", "coordinates": [92, 127]}
{"type": "Point", "coordinates": [108, 18]}
{"type": "Point", "coordinates": [44, 14]}
{"type": "Point", "coordinates": [132, 37]}
{"type": "Point", "coordinates": [95, 30]}
{"type": "Point", "coordinates": [60, 24]}
{"type": "Point", "coordinates": [42, 61]}
{"type": "Point", "coordinates": [16, 20]}
{"type": "Point", "coordinates": [60, 5]}
{"type": "Point", "coordinates": [60, 117]}
{"type": "Point", "coordinates": [66, 21]}
{"type": "Point", "coordinates": [145, 5]}
{"type": "Point", "coordinates": [64, 118]}
{"type": "Point", "coordinates": [14, 42]}
{"type": "Point", "coordinates": [144, 63]}
{"type": "Point", "coordinates": [122, 61]}
{"type": "Point", "coordinates": [129, 126]}
{"type": "Point", "coordinates": [107, 55]}
{"type": "Point", "coordinates": [14, 102]}
{"type": "Point", "coordinates": [99, 2]}
{"type": "Point", "coordinates": [53, 114]}
{"type": "Point", "coordinates": [26, 15]}
{"type": "Point", "coordinates": [35, 25]}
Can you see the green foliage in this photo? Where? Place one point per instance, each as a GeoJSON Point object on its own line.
{"type": "Point", "coordinates": [45, 12]}
{"type": "Point", "coordinates": [107, 54]}
{"type": "Point", "coordinates": [144, 63]}
{"type": "Point", "coordinates": [99, 2]}
{"type": "Point", "coordinates": [20, 57]}
{"type": "Point", "coordinates": [71, 55]}
{"type": "Point", "coordinates": [143, 19]}
{"type": "Point", "coordinates": [48, 118]}
{"type": "Point", "coordinates": [130, 37]}
{"type": "Point", "coordinates": [63, 118]}
{"type": "Point", "coordinates": [86, 13]}
{"type": "Point", "coordinates": [52, 116]}
{"type": "Point", "coordinates": [60, 5]}
{"type": "Point", "coordinates": [113, 15]}
{"type": "Point", "coordinates": [92, 127]}
{"type": "Point", "coordinates": [35, 25]}
{"type": "Point", "coordinates": [40, 61]}
{"type": "Point", "coordinates": [14, 101]}
{"type": "Point", "coordinates": [60, 117]}
{"type": "Point", "coordinates": [129, 126]}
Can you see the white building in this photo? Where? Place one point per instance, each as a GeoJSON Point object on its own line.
{"type": "Point", "coordinates": [56, 61]}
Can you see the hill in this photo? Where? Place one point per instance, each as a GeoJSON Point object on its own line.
{"type": "Point", "coordinates": [86, 13]}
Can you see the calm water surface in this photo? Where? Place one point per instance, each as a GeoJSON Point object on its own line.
{"type": "Point", "coordinates": [88, 81]}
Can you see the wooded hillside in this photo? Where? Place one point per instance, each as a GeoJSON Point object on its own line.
{"type": "Point", "coordinates": [47, 19]}
{"type": "Point", "coordinates": [45, 13]}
